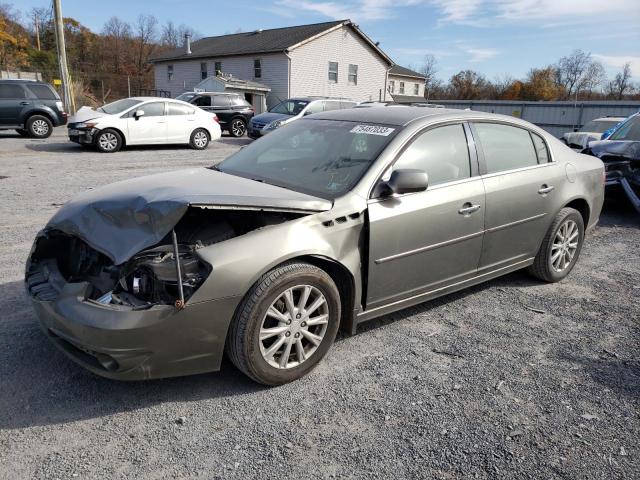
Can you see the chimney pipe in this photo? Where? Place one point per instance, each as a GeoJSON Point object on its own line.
{"type": "Point", "coordinates": [187, 41]}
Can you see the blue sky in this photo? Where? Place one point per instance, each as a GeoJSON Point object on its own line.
{"type": "Point", "coordinates": [494, 37]}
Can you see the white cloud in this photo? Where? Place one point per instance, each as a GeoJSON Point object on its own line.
{"type": "Point", "coordinates": [481, 54]}
{"type": "Point", "coordinates": [618, 62]}
{"type": "Point", "coordinates": [357, 10]}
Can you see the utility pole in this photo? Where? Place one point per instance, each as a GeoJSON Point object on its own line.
{"type": "Point", "coordinates": [37, 25]}
{"type": "Point", "coordinates": [62, 55]}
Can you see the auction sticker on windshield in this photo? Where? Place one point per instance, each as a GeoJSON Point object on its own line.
{"type": "Point", "coordinates": [372, 130]}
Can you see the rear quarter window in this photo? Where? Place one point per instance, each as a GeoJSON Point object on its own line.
{"type": "Point", "coordinates": [11, 90]}
{"type": "Point", "coordinates": [43, 92]}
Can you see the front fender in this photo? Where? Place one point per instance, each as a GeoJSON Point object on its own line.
{"type": "Point", "coordinates": [239, 262]}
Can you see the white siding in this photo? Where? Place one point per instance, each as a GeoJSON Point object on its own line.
{"type": "Point", "coordinates": [310, 67]}
{"type": "Point", "coordinates": [409, 85]}
{"type": "Point", "coordinates": [186, 73]}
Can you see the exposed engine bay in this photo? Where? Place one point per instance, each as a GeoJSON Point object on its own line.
{"type": "Point", "coordinates": [151, 276]}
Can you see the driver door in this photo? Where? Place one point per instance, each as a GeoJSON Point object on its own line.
{"type": "Point", "coordinates": [423, 241]}
{"type": "Point", "coordinates": [149, 128]}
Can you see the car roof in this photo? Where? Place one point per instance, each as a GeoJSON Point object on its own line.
{"type": "Point", "coordinates": [402, 115]}
{"type": "Point", "coordinates": [609, 119]}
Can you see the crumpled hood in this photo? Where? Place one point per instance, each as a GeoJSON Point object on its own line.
{"type": "Point", "coordinates": [616, 148]}
{"type": "Point", "coordinates": [86, 113]}
{"type": "Point", "coordinates": [126, 217]}
{"type": "Point", "coordinates": [269, 117]}
{"type": "Point", "coordinates": [581, 138]}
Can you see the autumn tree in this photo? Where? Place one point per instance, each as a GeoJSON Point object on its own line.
{"type": "Point", "coordinates": [540, 85]}
{"type": "Point", "coordinates": [467, 85]}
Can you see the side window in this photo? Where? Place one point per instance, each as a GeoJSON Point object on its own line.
{"type": "Point", "coordinates": [221, 101]}
{"type": "Point", "coordinates": [179, 109]}
{"type": "Point", "coordinates": [353, 74]}
{"type": "Point", "coordinates": [392, 86]}
{"type": "Point", "coordinates": [257, 68]}
{"type": "Point", "coordinates": [315, 107]}
{"type": "Point", "coordinates": [505, 147]}
{"type": "Point", "coordinates": [201, 101]}
{"type": "Point", "coordinates": [155, 109]}
{"type": "Point", "coordinates": [43, 92]}
{"type": "Point", "coordinates": [217, 68]}
{"type": "Point", "coordinates": [331, 105]}
{"type": "Point", "coordinates": [541, 148]}
{"type": "Point", "coordinates": [203, 70]}
{"type": "Point", "coordinates": [441, 152]}
{"type": "Point", "coordinates": [333, 72]}
{"type": "Point", "coordinates": [169, 72]}
{"type": "Point", "coordinates": [402, 88]}
{"type": "Point", "coordinates": [344, 105]}
{"type": "Point", "coordinates": [11, 90]}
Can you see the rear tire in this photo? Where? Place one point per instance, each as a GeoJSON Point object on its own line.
{"type": "Point", "coordinates": [39, 126]}
{"type": "Point", "coordinates": [199, 139]}
{"type": "Point", "coordinates": [306, 325]}
{"type": "Point", "coordinates": [238, 127]}
{"type": "Point", "coordinates": [560, 248]}
{"type": "Point", "coordinates": [108, 141]}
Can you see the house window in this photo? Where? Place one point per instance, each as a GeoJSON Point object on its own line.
{"type": "Point", "coordinates": [203, 70]}
{"type": "Point", "coordinates": [333, 72]}
{"type": "Point", "coordinates": [401, 88]}
{"type": "Point", "coordinates": [257, 68]}
{"type": "Point", "coordinates": [392, 86]}
{"type": "Point", "coordinates": [169, 72]}
{"type": "Point", "coordinates": [217, 67]}
{"type": "Point", "coordinates": [416, 89]}
{"type": "Point", "coordinates": [353, 74]}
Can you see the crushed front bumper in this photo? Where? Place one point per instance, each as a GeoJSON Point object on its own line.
{"type": "Point", "coordinates": [82, 136]}
{"type": "Point", "coordinates": [127, 344]}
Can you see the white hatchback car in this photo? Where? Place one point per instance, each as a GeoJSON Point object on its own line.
{"type": "Point", "coordinates": [143, 121]}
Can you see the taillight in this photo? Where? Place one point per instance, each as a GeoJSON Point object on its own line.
{"type": "Point", "coordinates": [216, 119]}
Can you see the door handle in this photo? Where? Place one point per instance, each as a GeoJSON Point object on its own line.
{"type": "Point", "coordinates": [468, 208]}
{"type": "Point", "coordinates": [544, 189]}
{"type": "Point", "coordinates": [25, 103]}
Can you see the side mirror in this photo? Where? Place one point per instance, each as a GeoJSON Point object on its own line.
{"type": "Point", "coordinates": [138, 114]}
{"type": "Point", "coordinates": [407, 181]}
{"type": "Point", "coordinates": [575, 129]}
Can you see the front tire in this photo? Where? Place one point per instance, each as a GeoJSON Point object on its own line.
{"type": "Point", "coordinates": [560, 248]}
{"type": "Point", "coordinates": [238, 127]}
{"type": "Point", "coordinates": [108, 141]}
{"type": "Point", "coordinates": [199, 139]}
{"type": "Point", "coordinates": [39, 126]}
{"type": "Point", "coordinates": [285, 324]}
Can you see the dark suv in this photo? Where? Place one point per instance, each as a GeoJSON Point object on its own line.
{"type": "Point", "coordinates": [233, 111]}
{"type": "Point", "coordinates": [31, 108]}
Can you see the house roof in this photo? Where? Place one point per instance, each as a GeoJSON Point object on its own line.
{"type": "Point", "coordinates": [259, 42]}
{"type": "Point", "coordinates": [405, 72]}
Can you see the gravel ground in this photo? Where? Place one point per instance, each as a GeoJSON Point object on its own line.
{"type": "Point", "coordinates": [510, 379]}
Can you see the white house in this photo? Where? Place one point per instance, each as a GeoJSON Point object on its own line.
{"type": "Point", "coordinates": [333, 59]}
{"type": "Point", "coordinates": [404, 82]}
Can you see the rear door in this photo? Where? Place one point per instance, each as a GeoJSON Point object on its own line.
{"type": "Point", "coordinates": [221, 106]}
{"type": "Point", "coordinates": [13, 99]}
{"type": "Point", "coordinates": [181, 122]}
{"type": "Point", "coordinates": [520, 183]}
{"type": "Point", "coordinates": [423, 241]}
{"type": "Point", "coordinates": [149, 128]}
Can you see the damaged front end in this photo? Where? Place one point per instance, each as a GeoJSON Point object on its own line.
{"type": "Point", "coordinates": [167, 273]}
{"type": "Point", "coordinates": [622, 166]}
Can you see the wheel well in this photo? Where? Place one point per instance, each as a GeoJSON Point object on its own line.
{"type": "Point", "coordinates": [202, 128]}
{"type": "Point", "coordinates": [37, 112]}
{"type": "Point", "coordinates": [581, 205]}
{"type": "Point", "coordinates": [343, 280]}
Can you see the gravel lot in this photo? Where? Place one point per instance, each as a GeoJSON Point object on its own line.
{"type": "Point", "coordinates": [510, 379]}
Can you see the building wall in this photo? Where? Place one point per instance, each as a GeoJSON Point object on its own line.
{"type": "Point", "coordinates": [310, 67]}
{"type": "Point", "coordinates": [186, 73]}
{"type": "Point", "coordinates": [409, 85]}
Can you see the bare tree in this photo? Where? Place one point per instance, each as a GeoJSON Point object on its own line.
{"type": "Point", "coordinates": [169, 37]}
{"type": "Point", "coordinates": [429, 70]}
{"type": "Point", "coordinates": [118, 33]}
{"type": "Point", "coordinates": [593, 78]}
{"type": "Point", "coordinates": [145, 36]}
{"type": "Point", "coordinates": [621, 84]}
{"type": "Point", "coordinates": [578, 72]}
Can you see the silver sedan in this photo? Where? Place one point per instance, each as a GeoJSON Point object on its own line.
{"type": "Point", "coordinates": [326, 223]}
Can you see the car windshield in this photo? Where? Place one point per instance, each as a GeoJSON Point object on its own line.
{"type": "Point", "coordinates": [598, 126]}
{"type": "Point", "coordinates": [290, 107]}
{"type": "Point", "coordinates": [325, 158]}
{"type": "Point", "coordinates": [629, 131]}
{"type": "Point", "coordinates": [185, 97]}
{"type": "Point", "coordinates": [119, 106]}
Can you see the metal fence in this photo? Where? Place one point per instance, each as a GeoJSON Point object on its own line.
{"type": "Point", "coordinates": [555, 117]}
{"type": "Point", "coordinates": [150, 92]}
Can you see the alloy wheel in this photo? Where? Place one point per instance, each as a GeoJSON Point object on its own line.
{"type": "Point", "coordinates": [200, 139]}
{"type": "Point", "coordinates": [294, 326]}
{"type": "Point", "coordinates": [565, 245]}
{"type": "Point", "coordinates": [108, 141]}
{"type": "Point", "coordinates": [40, 127]}
{"type": "Point", "coordinates": [238, 128]}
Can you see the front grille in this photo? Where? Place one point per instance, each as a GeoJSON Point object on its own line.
{"type": "Point", "coordinates": [258, 125]}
